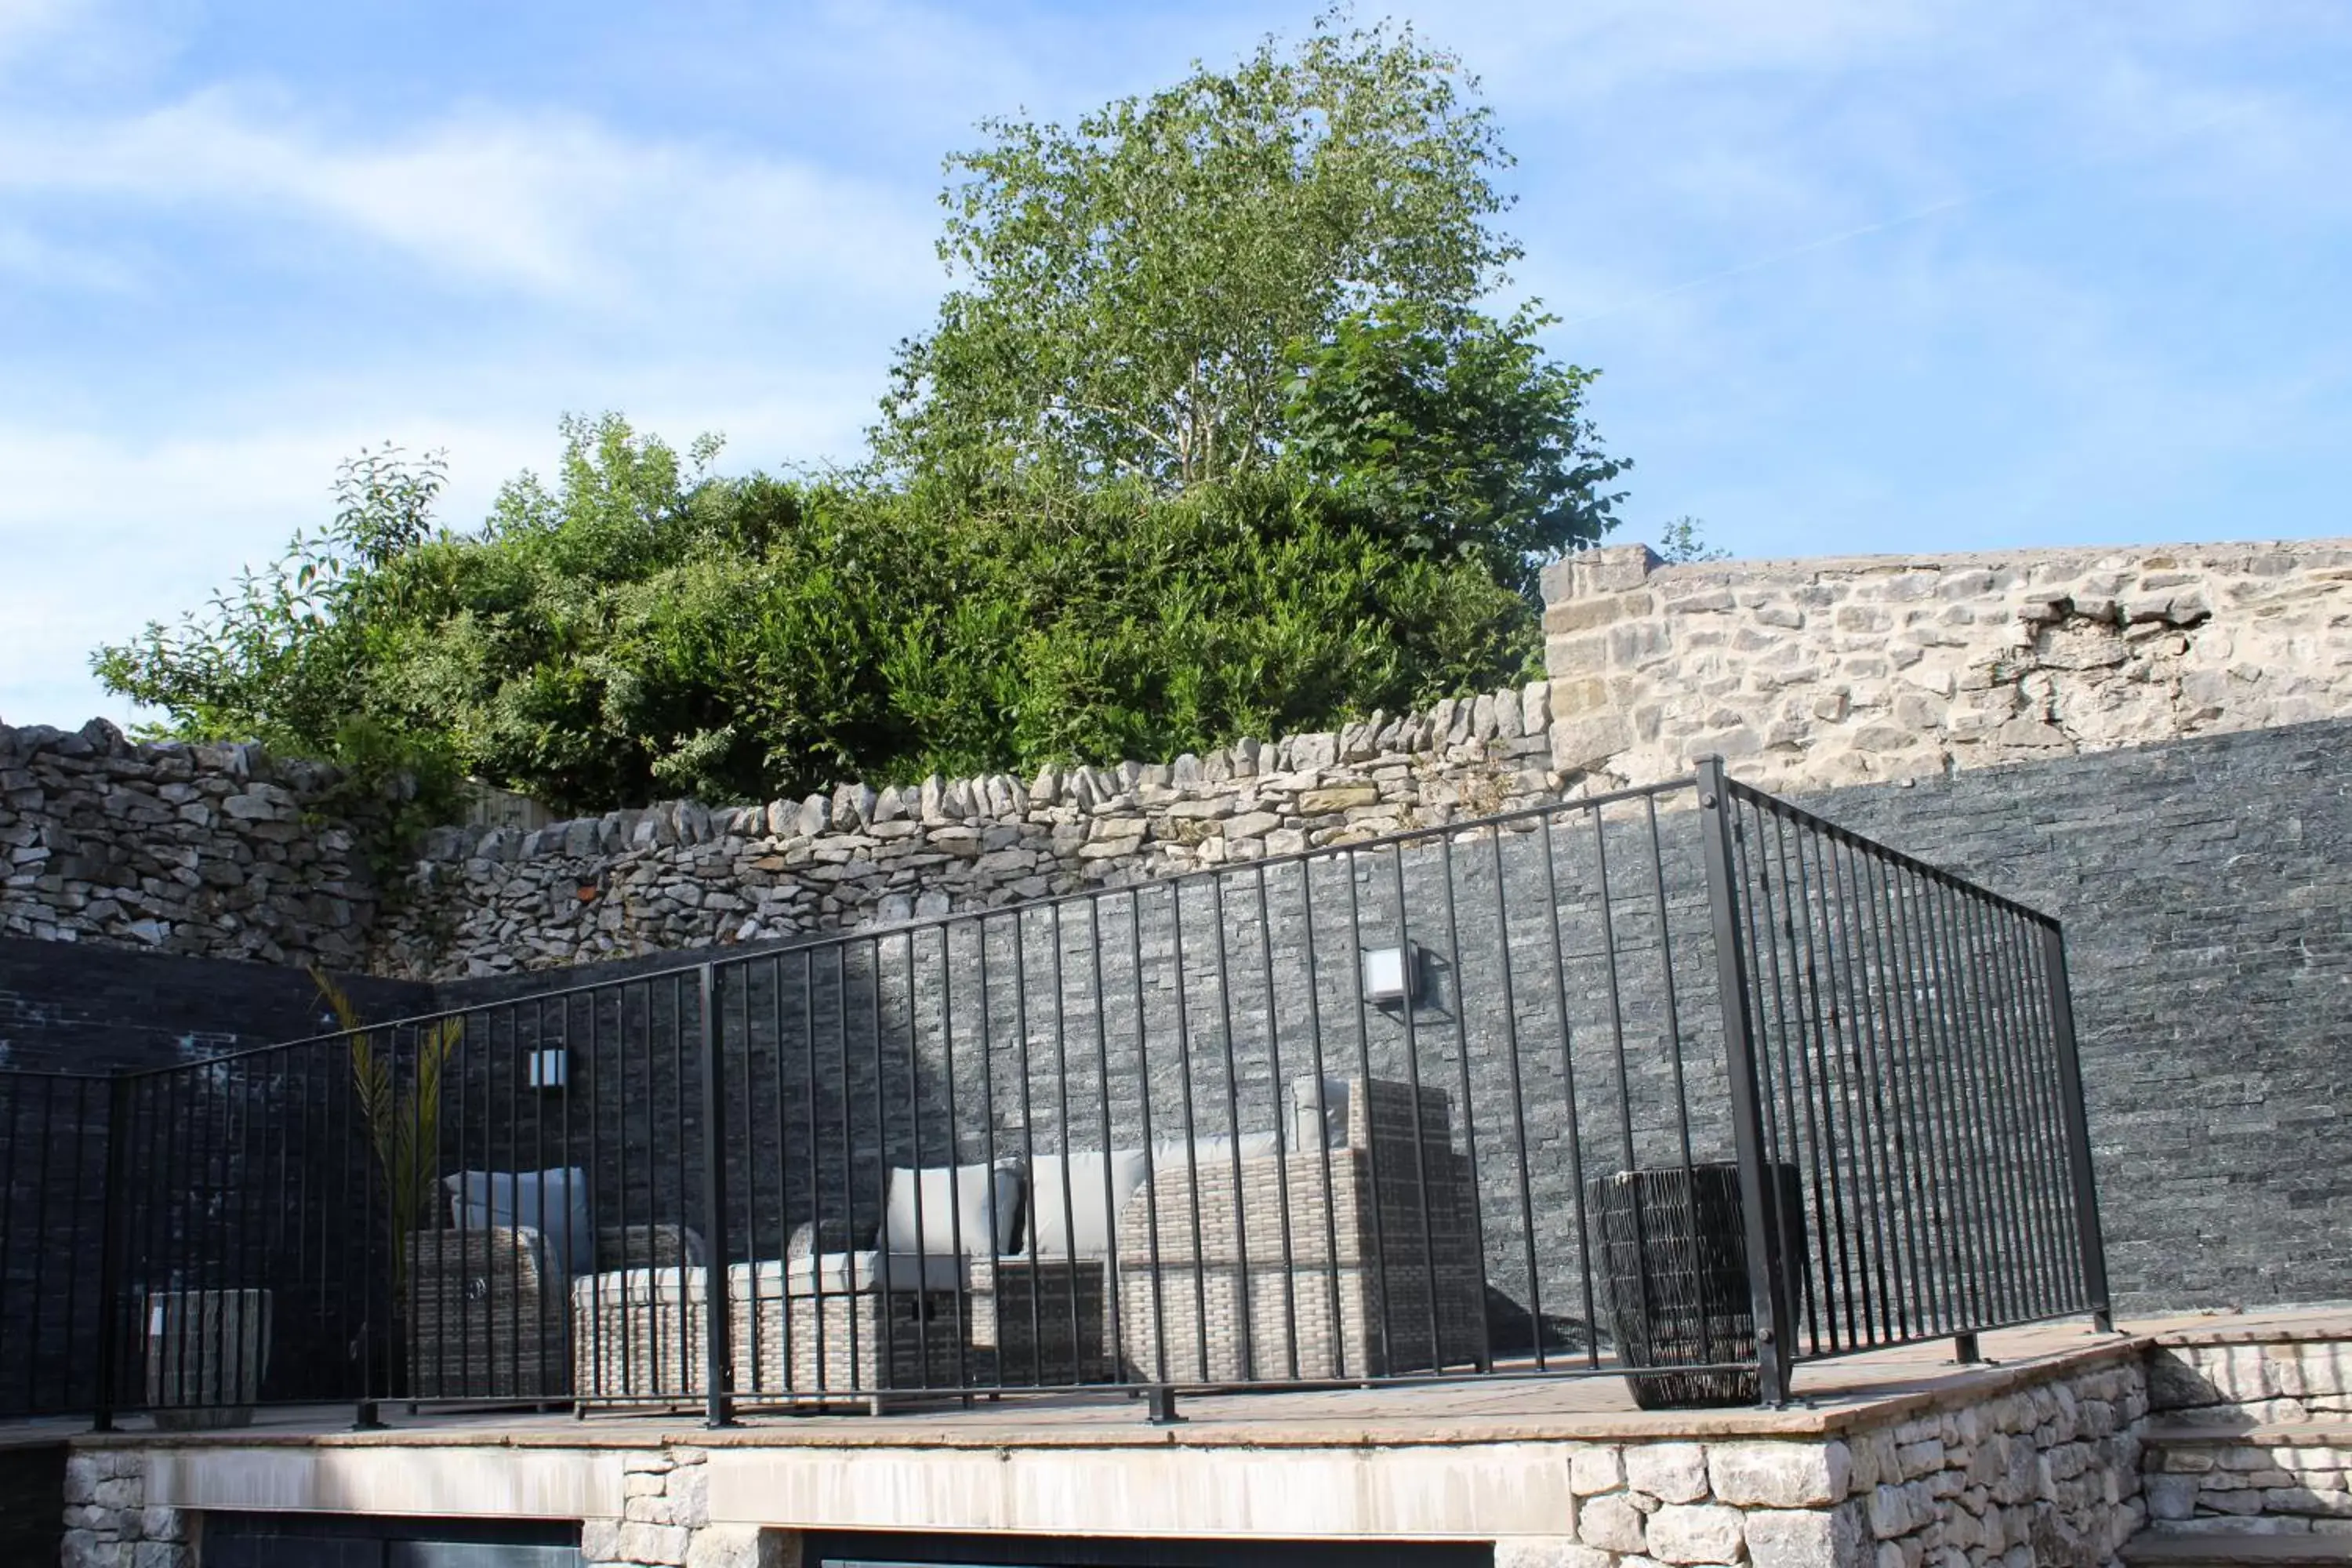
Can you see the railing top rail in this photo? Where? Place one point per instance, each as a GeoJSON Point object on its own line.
{"type": "Point", "coordinates": [908, 930]}
{"type": "Point", "coordinates": [63, 1075]}
{"type": "Point", "coordinates": [1872, 847]}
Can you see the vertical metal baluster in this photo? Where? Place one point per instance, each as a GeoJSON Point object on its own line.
{"type": "Point", "coordinates": [1957, 1191]}
{"type": "Point", "coordinates": [955, 1153]}
{"type": "Point", "coordinates": [1191, 1131]}
{"type": "Point", "coordinates": [780, 1161]}
{"type": "Point", "coordinates": [1900, 1152]}
{"type": "Point", "coordinates": [2092, 1245]}
{"type": "Point", "coordinates": [1035, 1275]}
{"type": "Point", "coordinates": [1114, 1276]}
{"type": "Point", "coordinates": [2045, 1133]}
{"type": "Point", "coordinates": [1759, 1198]}
{"type": "Point", "coordinates": [1811, 1044]}
{"type": "Point", "coordinates": [1764, 929]}
{"type": "Point", "coordinates": [881, 1353]}
{"type": "Point", "coordinates": [1841, 1094]}
{"type": "Point", "coordinates": [2004, 1128]}
{"type": "Point", "coordinates": [1323, 1152]}
{"type": "Point", "coordinates": [924, 1305]}
{"type": "Point", "coordinates": [988, 1149]}
{"type": "Point", "coordinates": [719, 1370]}
{"type": "Point", "coordinates": [1151, 1178]}
{"type": "Point", "coordinates": [113, 1233]}
{"type": "Point", "coordinates": [1079, 1373]}
{"type": "Point", "coordinates": [1482, 1355]}
{"type": "Point", "coordinates": [1284, 1135]}
{"type": "Point", "coordinates": [817, 1294]}
{"type": "Point", "coordinates": [1518, 1106]}
{"type": "Point", "coordinates": [1872, 1138]}
{"type": "Point", "coordinates": [48, 1082]}
{"type": "Point", "coordinates": [1568, 1086]}
{"type": "Point", "coordinates": [881, 1183]}
{"type": "Point", "coordinates": [1246, 1314]}
{"type": "Point", "coordinates": [1985, 1255]}
{"type": "Point", "coordinates": [2050, 1176]}
{"type": "Point", "coordinates": [1381, 1357]}
{"type": "Point", "coordinates": [1673, 1037]}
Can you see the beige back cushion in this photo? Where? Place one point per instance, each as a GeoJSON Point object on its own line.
{"type": "Point", "coordinates": [973, 1210]}
{"type": "Point", "coordinates": [1082, 1229]}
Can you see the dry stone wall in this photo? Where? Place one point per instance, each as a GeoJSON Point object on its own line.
{"type": "Point", "coordinates": [485, 901]}
{"type": "Point", "coordinates": [2042, 1474]}
{"type": "Point", "coordinates": [212, 850]}
{"type": "Point", "coordinates": [1809, 674]}
{"type": "Point", "coordinates": [1806, 674]}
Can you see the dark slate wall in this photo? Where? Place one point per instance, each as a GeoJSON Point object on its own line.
{"type": "Point", "coordinates": [80, 1007]}
{"type": "Point", "coordinates": [2201, 881]}
{"type": "Point", "coordinates": [2208, 906]}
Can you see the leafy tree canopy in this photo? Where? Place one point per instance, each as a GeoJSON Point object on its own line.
{"type": "Point", "coordinates": [1133, 285]}
{"type": "Point", "coordinates": [1211, 438]}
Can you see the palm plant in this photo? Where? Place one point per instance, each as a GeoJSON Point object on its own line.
{"type": "Point", "coordinates": [404, 1118]}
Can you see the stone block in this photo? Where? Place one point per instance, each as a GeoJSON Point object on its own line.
{"type": "Point", "coordinates": [1611, 1522]}
{"type": "Point", "coordinates": [1808, 1538]}
{"type": "Point", "coordinates": [1548, 1551]}
{"type": "Point", "coordinates": [1697, 1533]}
{"type": "Point", "coordinates": [743, 1546]}
{"type": "Point", "coordinates": [1596, 1469]}
{"type": "Point", "coordinates": [1780, 1475]}
{"type": "Point", "coordinates": [1671, 1472]}
{"type": "Point", "coordinates": [657, 1545]}
{"type": "Point", "coordinates": [1342, 797]}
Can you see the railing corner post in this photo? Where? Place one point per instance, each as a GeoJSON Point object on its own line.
{"type": "Point", "coordinates": [1758, 1196]}
{"type": "Point", "coordinates": [2090, 1242]}
{"type": "Point", "coordinates": [110, 1248]}
{"type": "Point", "coordinates": [719, 1360]}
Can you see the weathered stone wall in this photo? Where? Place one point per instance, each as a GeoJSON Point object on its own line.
{"type": "Point", "coordinates": [208, 850]}
{"type": "Point", "coordinates": [683, 874]}
{"type": "Point", "coordinates": [1806, 674]}
{"type": "Point", "coordinates": [107, 1521]}
{"type": "Point", "coordinates": [1842, 670]}
{"type": "Point", "coordinates": [2046, 1472]}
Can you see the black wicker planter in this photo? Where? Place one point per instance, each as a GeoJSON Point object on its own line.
{"type": "Point", "coordinates": [1674, 1263]}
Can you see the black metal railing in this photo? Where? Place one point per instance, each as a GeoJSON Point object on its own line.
{"type": "Point", "coordinates": [1679, 1078]}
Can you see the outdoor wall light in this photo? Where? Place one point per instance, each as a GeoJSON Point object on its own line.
{"type": "Point", "coordinates": [549, 1069]}
{"type": "Point", "coordinates": [1392, 975]}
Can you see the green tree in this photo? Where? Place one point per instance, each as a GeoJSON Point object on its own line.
{"type": "Point", "coordinates": [1456, 434]}
{"type": "Point", "coordinates": [1132, 286]}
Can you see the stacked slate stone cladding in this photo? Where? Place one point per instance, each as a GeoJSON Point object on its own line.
{"type": "Point", "coordinates": [208, 850]}
{"type": "Point", "coordinates": [2208, 935]}
{"type": "Point", "coordinates": [1153, 1014]}
{"type": "Point", "coordinates": [1815, 673]}
{"type": "Point", "coordinates": [683, 874]}
{"type": "Point", "coordinates": [2045, 1472]}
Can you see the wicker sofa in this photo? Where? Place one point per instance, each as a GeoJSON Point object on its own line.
{"type": "Point", "coordinates": [1349, 1254]}
{"type": "Point", "coordinates": [483, 1312]}
{"type": "Point", "coordinates": [916, 1312]}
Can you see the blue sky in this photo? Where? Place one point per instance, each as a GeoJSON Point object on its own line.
{"type": "Point", "coordinates": [1861, 275]}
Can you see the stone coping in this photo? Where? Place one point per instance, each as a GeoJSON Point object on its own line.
{"type": "Point", "coordinates": [1452, 1418]}
{"type": "Point", "coordinates": [1881, 1388]}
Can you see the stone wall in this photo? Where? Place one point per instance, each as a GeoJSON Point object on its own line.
{"type": "Point", "coordinates": [1840, 671]}
{"type": "Point", "coordinates": [207, 851]}
{"type": "Point", "coordinates": [1806, 674]}
{"type": "Point", "coordinates": [2041, 1473]}
{"type": "Point", "coordinates": [107, 1521]}
{"type": "Point", "coordinates": [485, 901]}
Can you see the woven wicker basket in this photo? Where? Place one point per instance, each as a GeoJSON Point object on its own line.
{"type": "Point", "coordinates": [1673, 1246]}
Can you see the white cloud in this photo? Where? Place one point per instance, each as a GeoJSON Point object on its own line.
{"type": "Point", "coordinates": [555, 204]}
